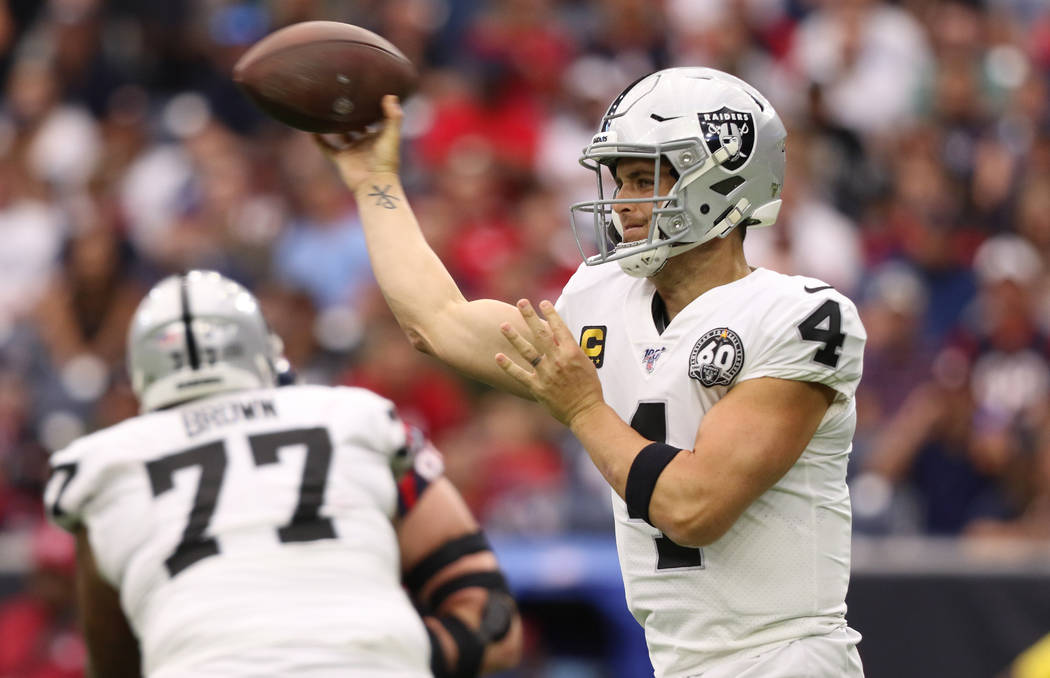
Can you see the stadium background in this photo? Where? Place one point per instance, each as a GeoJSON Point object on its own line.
{"type": "Point", "coordinates": [918, 183]}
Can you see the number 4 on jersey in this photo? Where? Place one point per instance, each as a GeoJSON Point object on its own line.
{"type": "Point", "coordinates": [650, 420]}
{"type": "Point", "coordinates": [824, 326]}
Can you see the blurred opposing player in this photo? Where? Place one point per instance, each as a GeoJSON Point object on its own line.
{"type": "Point", "coordinates": [236, 529]}
{"type": "Point", "coordinates": [715, 398]}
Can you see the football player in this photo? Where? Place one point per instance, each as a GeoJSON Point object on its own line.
{"type": "Point", "coordinates": [238, 529]}
{"type": "Point", "coordinates": [717, 399]}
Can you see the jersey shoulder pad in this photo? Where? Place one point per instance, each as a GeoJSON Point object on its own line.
{"type": "Point", "coordinates": [360, 398]}
{"type": "Point", "coordinates": [377, 426]}
{"type": "Point", "coordinates": [587, 278]}
{"type": "Point", "coordinates": [75, 473]}
{"type": "Point", "coordinates": [366, 419]}
{"type": "Point", "coordinates": [588, 289]}
{"type": "Point", "coordinates": [318, 395]}
{"type": "Point", "coordinates": [809, 331]}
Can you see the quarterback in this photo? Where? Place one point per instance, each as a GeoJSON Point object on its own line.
{"type": "Point", "coordinates": [237, 529]}
{"type": "Point", "coordinates": [716, 399]}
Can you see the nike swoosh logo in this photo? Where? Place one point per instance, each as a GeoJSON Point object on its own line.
{"type": "Point", "coordinates": [660, 118]}
{"type": "Point", "coordinates": [811, 290]}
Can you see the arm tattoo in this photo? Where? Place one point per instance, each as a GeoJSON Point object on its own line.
{"type": "Point", "coordinates": [384, 199]}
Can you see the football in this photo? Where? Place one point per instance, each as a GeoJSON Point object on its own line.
{"type": "Point", "coordinates": [324, 76]}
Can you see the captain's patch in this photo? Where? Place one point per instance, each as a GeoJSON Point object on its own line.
{"type": "Point", "coordinates": [592, 341]}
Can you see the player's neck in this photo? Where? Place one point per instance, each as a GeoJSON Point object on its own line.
{"type": "Point", "coordinates": [690, 274]}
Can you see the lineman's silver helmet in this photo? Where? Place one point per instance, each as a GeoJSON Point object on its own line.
{"type": "Point", "coordinates": [197, 334]}
{"type": "Point", "coordinates": [726, 145]}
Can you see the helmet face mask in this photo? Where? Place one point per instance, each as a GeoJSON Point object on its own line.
{"type": "Point", "coordinates": [725, 144]}
{"type": "Point", "coordinates": [196, 335]}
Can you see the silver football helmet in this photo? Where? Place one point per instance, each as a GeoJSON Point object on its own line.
{"type": "Point", "coordinates": [725, 144]}
{"type": "Point", "coordinates": [198, 334]}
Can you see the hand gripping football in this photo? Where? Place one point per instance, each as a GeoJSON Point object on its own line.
{"type": "Point", "coordinates": [324, 76]}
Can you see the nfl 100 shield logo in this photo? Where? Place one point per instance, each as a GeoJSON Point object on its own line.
{"type": "Point", "coordinates": [717, 357]}
{"type": "Point", "coordinates": [650, 357]}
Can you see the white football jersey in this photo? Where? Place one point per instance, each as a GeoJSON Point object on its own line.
{"type": "Point", "coordinates": [251, 534]}
{"type": "Point", "coordinates": [781, 571]}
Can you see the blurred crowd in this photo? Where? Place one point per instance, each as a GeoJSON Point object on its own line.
{"type": "Point", "coordinates": [918, 183]}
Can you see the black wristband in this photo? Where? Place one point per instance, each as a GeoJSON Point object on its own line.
{"type": "Point", "coordinates": [641, 479]}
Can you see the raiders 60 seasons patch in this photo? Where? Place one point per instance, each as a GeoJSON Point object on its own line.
{"type": "Point", "coordinates": [717, 357]}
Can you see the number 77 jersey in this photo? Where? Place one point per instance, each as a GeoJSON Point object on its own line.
{"type": "Point", "coordinates": [781, 571]}
{"type": "Point", "coordinates": [253, 533]}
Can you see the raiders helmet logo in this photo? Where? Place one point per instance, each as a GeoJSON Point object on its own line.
{"type": "Point", "coordinates": [717, 357]}
{"type": "Point", "coordinates": [731, 130]}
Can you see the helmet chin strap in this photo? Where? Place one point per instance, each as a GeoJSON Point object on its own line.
{"type": "Point", "coordinates": [645, 264]}
{"type": "Point", "coordinates": [649, 263]}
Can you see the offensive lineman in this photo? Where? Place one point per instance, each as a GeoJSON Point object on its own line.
{"type": "Point", "coordinates": [715, 398]}
{"type": "Point", "coordinates": [236, 529]}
